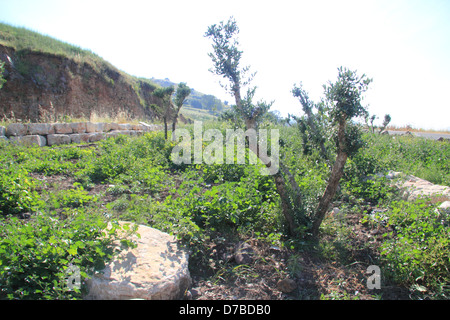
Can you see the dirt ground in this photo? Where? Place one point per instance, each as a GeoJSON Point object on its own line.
{"type": "Point", "coordinates": [285, 274]}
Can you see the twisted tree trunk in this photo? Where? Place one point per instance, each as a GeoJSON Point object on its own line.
{"type": "Point", "coordinates": [333, 182]}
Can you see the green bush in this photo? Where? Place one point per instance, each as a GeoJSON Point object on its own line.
{"type": "Point", "coordinates": [417, 253]}
{"type": "Point", "coordinates": [36, 254]}
{"type": "Point", "coordinates": [17, 191]}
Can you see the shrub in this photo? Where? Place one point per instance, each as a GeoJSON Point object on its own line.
{"type": "Point", "coordinates": [417, 252]}
{"type": "Point", "coordinates": [17, 191]}
{"type": "Point", "coordinates": [35, 255]}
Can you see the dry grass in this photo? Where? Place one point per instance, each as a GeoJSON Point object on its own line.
{"type": "Point", "coordinates": [412, 129]}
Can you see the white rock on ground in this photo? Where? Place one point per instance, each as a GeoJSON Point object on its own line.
{"type": "Point", "coordinates": [157, 269]}
{"type": "Point", "coordinates": [445, 207]}
{"type": "Point", "coordinates": [414, 187]}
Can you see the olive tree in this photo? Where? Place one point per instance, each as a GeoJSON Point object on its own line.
{"type": "Point", "coordinates": [166, 111]}
{"type": "Point", "coordinates": [343, 100]}
{"type": "Point", "coordinates": [181, 94]}
{"type": "Point", "coordinates": [342, 103]}
{"type": "Point", "coordinates": [226, 58]}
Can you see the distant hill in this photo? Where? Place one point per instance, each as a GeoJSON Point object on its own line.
{"type": "Point", "coordinates": [198, 106]}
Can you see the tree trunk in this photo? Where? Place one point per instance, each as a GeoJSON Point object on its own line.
{"type": "Point", "coordinates": [279, 180]}
{"type": "Point", "coordinates": [285, 204]}
{"type": "Point", "coordinates": [280, 184]}
{"type": "Point", "coordinates": [329, 193]}
{"type": "Point", "coordinates": [165, 128]}
{"type": "Point", "coordinates": [333, 182]}
{"type": "Point", "coordinates": [174, 123]}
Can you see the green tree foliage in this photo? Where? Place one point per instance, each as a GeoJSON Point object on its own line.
{"type": "Point", "coordinates": [226, 58]}
{"type": "Point", "coordinates": [343, 99]}
{"type": "Point", "coordinates": [183, 91]}
{"type": "Point", "coordinates": [166, 111]}
{"type": "Point", "coordinates": [2, 69]}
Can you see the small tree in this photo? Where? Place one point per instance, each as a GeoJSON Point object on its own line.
{"type": "Point", "coordinates": [226, 58]}
{"type": "Point", "coordinates": [387, 119]}
{"type": "Point", "coordinates": [370, 119]}
{"type": "Point", "coordinates": [166, 111]}
{"type": "Point", "coordinates": [344, 101]}
{"type": "Point", "coordinates": [183, 91]}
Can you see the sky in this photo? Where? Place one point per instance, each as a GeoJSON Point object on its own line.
{"type": "Point", "coordinates": [403, 45]}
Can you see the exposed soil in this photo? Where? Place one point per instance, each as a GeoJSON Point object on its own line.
{"type": "Point", "coordinates": [313, 276]}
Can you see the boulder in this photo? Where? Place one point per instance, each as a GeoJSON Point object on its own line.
{"type": "Point", "coordinates": [94, 127]}
{"type": "Point", "coordinates": [243, 253]}
{"type": "Point", "coordinates": [157, 269]}
{"type": "Point", "coordinates": [286, 285]}
{"type": "Point", "coordinates": [150, 127]}
{"type": "Point", "coordinates": [113, 126]}
{"type": "Point", "coordinates": [113, 133]}
{"type": "Point", "coordinates": [413, 187]}
{"type": "Point", "coordinates": [445, 207]}
{"type": "Point", "coordinates": [41, 129]}
{"type": "Point", "coordinates": [62, 128]}
{"type": "Point", "coordinates": [79, 137]}
{"type": "Point", "coordinates": [78, 127]}
{"type": "Point", "coordinates": [125, 126]}
{"type": "Point", "coordinates": [16, 129]}
{"type": "Point", "coordinates": [393, 174]}
{"type": "Point", "coordinates": [93, 137]}
{"type": "Point", "coordinates": [55, 139]}
{"type": "Point", "coordinates": [34, 139]}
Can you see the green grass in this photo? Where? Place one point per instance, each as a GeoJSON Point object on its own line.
{"type": "Point", "coordinates": [22, 39]}
{"type": "Point", "coordinates": [197, 114]}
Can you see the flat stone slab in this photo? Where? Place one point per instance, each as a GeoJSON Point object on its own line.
{"type": "Point", "coordinates": [40, 129]}
{"type": "Point", "coordinates": [414, 187]}
{"type": "Point", "coordinates": [157, 269]}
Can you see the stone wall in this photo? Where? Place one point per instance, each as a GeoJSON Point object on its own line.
{"type": "Point", "coordinates": [49, 134]}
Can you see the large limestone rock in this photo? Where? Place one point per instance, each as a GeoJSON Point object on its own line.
{"type": "Point", "coordinates": [157, 269]}
{"type": "Point", "coordinates": [16, 129]}
{"type": "Point", "coordinates": [41, 129]}
{"type": "Point", "coordinates": [414, 187]}
{"type": "Point", "coordinates": [55, 139]}
{"type": "Point", "coordinates": [63, 128]}
{"type": "Point", "coordinates": [78, 127]}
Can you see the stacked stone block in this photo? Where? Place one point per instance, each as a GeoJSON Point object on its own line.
{"type": "Point", "coordinates": [50, 134]}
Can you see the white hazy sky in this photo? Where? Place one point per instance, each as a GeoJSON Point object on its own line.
{"type": "Point", "coordinates": [404, 45]}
